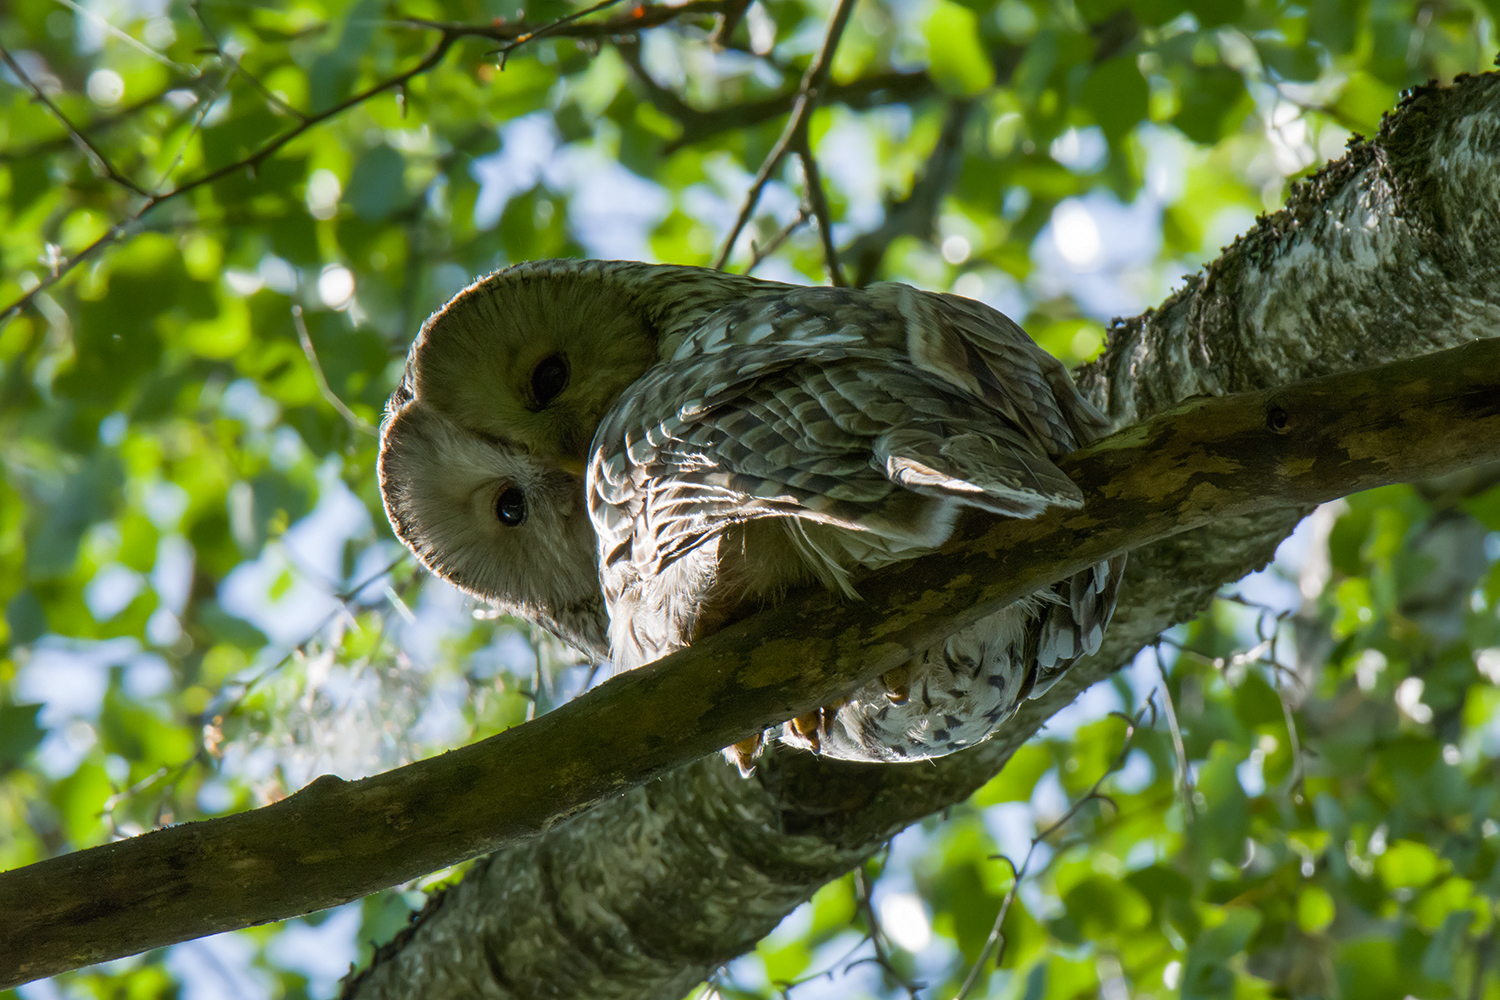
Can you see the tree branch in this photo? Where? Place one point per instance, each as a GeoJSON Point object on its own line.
{"type": "Point", "coordinates": [1390, 253]}
{"type": "Point", "coordinates": [335, 841]}
{"type": "Point", "coordinates": [643, 16]}
{"type": "Point", "coordinates": [96, 158]}
{"type": "Point", "coordinates": [795, 132]}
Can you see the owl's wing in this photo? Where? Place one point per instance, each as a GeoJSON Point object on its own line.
{"type": "Point", "coordinates": [983, 351]}
{"type": "Point", "coordinates": [855, 439]}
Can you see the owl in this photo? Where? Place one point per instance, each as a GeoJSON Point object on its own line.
{"type": "Point", "coordinates": [633, 454]}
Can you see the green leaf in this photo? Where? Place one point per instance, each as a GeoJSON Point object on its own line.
{"type": "Point", "coordinates": [19, 734]}
{"type": "Point", "coordinates": [1315, 909]}
{"type": "Point", "coordinates": [1116, 96]}
{"type": "Point", "coordinates": [377, 187]}
{"type": "Point", "coordinates": [1214, 100]}
{"type": "Point", "coordinates": [1407, 864]}
{"type": "Point", "coordinates": [959, 62]}
{"type": "Point", "coordinates": [1016, 780]}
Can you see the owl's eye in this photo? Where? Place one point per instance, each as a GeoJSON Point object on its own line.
{"type": "Point", "coordinates": [510, 507]}
{"type": "Point", "coordinates": [549, 378]}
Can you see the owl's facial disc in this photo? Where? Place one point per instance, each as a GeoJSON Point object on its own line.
{"type": "Point", "coordinates": [495, 521]}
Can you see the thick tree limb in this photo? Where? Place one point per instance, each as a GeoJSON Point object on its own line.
{"type": "Point", "coordinates": [1202, 462]}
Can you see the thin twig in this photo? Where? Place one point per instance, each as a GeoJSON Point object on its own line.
{"type": "Point", "coordinates": [196, 8]}
{"type": "Point", "coordinates": [96, 157]}
{"type": "Point", "coordinates": [996, 938]}
{"type": "Point", "coordinates": [42, 147]}
{"type": "Point", "coordinates": [808, 93]}
{"type": "Point", "coordinates": [356, 421]}
{"type": "Point", "coordinates": [759, 253]}
{"type": "Point", "coordinates": [504, 51]}
{"type": "Point", "coordinates": [639, 17]}
{"type": "Point", "coordinates": [205, 103]}
{"type": "Point", "coordinates": [1184, 777]}
{"type": "Point", "coordinates": [864, 902]}
{"type": "Point", "coordinates": [818, 199]}
{"type": "Point", "coordinates": [125, 37]}
{"type": "Point", "coordinates": [250, 161]}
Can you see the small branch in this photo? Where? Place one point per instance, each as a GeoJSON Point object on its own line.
{"type": "Point", "coordinates": [876, 90]}
{"type": "Point", "coordinates": [42, 147]}
{"type": "Point", "coordinates": [549, 29]}
{"type": "Point", "coordinates": [96, 157]}
{"type": "Point", "coordinates": [759, 253]}
{"type": "Point", "coordinates": [865, 904]}
{"type": "Point", "coordinates": [818, 199]}
{"type": "Point", "coordinates": [1184, 775]}
{"type": "Point", "coordinates": [795, 131]}
{"type": "Point", "coordinates": [1206, 460]}
{"type": "Point", "coordinates": [1019, 874]}
{"type": "Point", "coordinates": [254, 159]}
{"type": "Point", "coordinates": [729, 20]}
{"type": "Point", "coordinates": [196, 9]}
{"type": "Point", "coordinates": [639, 18]}
{"type": "Point", "coordinates": [916, 213]}
{"type": "Point", "coordinates": [356, 421]}
{"type": "Point", "coordinates": [204, 104]}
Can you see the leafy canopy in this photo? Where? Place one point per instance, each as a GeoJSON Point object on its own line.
{"type": "Point", "coordinates": [223, 223]}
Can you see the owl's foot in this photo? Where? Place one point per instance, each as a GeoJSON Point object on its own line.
{"type": "Point", "coordinates": [807, 731]}
{"type": "Point", "coordinates": [897, 684]}
{"type": "Point", "coordinates": [742, 754]}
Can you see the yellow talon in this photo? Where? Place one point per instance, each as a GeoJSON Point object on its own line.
{"type": "Point", "coordinates": [897, 684]}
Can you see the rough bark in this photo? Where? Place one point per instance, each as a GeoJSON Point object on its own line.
{"type": "Point", "coordinates": [1392, 252]}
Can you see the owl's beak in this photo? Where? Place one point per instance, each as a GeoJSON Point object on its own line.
{"type": "Point", "coordinates": [574, 466]}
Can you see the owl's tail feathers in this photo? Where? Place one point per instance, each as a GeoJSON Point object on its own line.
{"type": "Point", "coordinates": [1073, 627]}
{"type": "Point", "coordinates": [1002, 477]}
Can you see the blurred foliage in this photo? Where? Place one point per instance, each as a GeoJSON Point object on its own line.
{"type": "Point", "coordinates": [203, 607]}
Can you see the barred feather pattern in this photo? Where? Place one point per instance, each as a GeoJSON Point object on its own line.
{"type": "Point", "coordinates": [851, 426]}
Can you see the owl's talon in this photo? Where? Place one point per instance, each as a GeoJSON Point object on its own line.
{"type": "Point", "coordinates": [803, 731]}
{"type": "Point", "coordinates": [742, 754]}
{"type": "Point", "coordinates": [897, 684]}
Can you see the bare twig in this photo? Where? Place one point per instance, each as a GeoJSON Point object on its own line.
{"type": "Point", "coordinates": [729, 19]}
{"type": "Point", "coordinates": [876, 90]}
{"type": "Point", "coordinates": [916, 213]}
{"type": "Point", "coordinates": [204, 104]}
{"type": "Point", "coordinates": [123, 36]}
{"type": "Point", "coordinates": [196, 8]}
{"type": "Point", "coordinates": [96, 157]}
{"type": "Point", "coordinates": [121, 114]}
{"type": "Point", "coordinates": [1184, 776]}
{"type": "Point", "coordinates": [638, 18]}
{"type": "Point", "coordinates": [881, 958]}
{"type": "Point", "coordinates": [996, 938]}
{"type": "Point", "coordinates": [760, 252]}
{"type": "Point", "coordinates": [356, 421]}
{"type": "Point", "coordinates": [547, 29]}
{"type": "Point", "coordinates": [250, 161]}
{"type": "Point", "coordinates": [795, 131]}
{"type": "Point", "coordinates": [818, 200]}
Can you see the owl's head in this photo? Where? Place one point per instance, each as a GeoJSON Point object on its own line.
{"type": "Point", "coordinates": [498, 522]}
{"type": "Point", "coordinates": [533, 356]}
